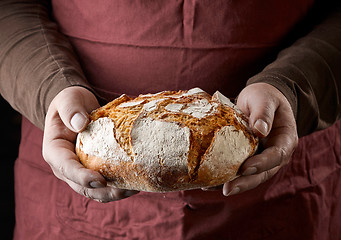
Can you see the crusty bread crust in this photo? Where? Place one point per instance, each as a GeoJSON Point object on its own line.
{"type": "Point", "coordinates": [167, 141]}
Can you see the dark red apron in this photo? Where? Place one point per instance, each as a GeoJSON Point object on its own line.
{"type": "Point", "coordinates": [146, 46]}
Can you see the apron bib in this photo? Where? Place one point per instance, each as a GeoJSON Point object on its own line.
{"type": "Point", "coordinates": [136, 47]}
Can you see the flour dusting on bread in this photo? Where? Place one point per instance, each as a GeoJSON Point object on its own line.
{"type": "Point", "coordinates": [229, 148]}
{"type": "Point", "coordinates": [160, 143]}
{"type": "Point", "coordinates": [98, 140]}
{"type": "Point", "coordinates": [167, 141]}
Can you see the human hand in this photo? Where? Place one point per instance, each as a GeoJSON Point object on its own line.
{"type": "Point", "coordinates": [272, 119]}
{"type": "Point", "coordinates": [67, 115]}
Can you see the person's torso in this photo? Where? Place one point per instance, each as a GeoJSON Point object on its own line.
{"type": "Point", "coordinates": [134, 47]}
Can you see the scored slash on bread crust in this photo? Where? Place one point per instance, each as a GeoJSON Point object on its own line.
{"type": "Point", "coordinates": [167, 141]}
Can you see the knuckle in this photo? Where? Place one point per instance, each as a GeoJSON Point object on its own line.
{"type": "Point", "coordinates": [268, 113]}
{"type": "Point", "coordinates": [93, 194]}
{"type": "Point", "coordinates": [108, 196]}
{"type": "Point", "coordinates": [266, 176]}
{"type": "Point", "coordinates": [61, 170]}
{"type": "Point", "coordinates": [282, 155]}
{"type": "Point", "coordinates": [85, 193]}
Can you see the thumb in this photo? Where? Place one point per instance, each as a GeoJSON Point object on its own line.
{"type": "Point", "coordinates": [262, 127]}
{"type": "Point", "coordinates": [259, 105]}
{"type": "Point", "coordinates": [73, 105]}
{"type": "Point", "coordinates": [78, 121]}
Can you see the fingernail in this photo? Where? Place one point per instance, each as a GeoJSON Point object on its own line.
{"type": "Point", "coordinates": [250, 171]}
{"type": "Point", "coordinates": [78, 121]}
{"type": "Point", "coordinates": [232, 192]}
{"type": "Point", "coordinates": [261, 127]}
{"type": "Point", "coordinates": [96, 184]}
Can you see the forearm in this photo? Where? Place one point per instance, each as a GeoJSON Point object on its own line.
{"type": "Point", "coordinates": [308, 73]}
{"type": "Point", "coordinates": [36, 61]}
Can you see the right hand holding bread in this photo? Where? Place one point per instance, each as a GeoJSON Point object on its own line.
{"type": "Point", "coordinates": [67, 115]}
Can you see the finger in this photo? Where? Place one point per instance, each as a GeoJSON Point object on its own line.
{"type": "Point", "coordinates": [245, 183]}
{"type": "Point", "coordinates": [271, 157]}
{"type": "Point", "coordinates": [75, 115]}
{"type": "Point", "coordinates": [65, 165]}
{"type": "Point", "coordinates": [260, 108]}
{"type": "Point", "coordinates": [123, 193]}
{"type": "Point", "coordinates": [279, 147]}
{"type": "Point", "coordinates": [268, 159]}
{"type": "Point", "coordinates": [104, 195]}
{"type": "Point", "coordinates": [262, 112]}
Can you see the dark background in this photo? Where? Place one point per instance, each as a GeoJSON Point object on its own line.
{"type": "Point", "coordinates": [10, 128]}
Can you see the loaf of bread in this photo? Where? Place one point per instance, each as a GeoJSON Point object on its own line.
{"type": "Point", "coordinates": [167, 141]}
